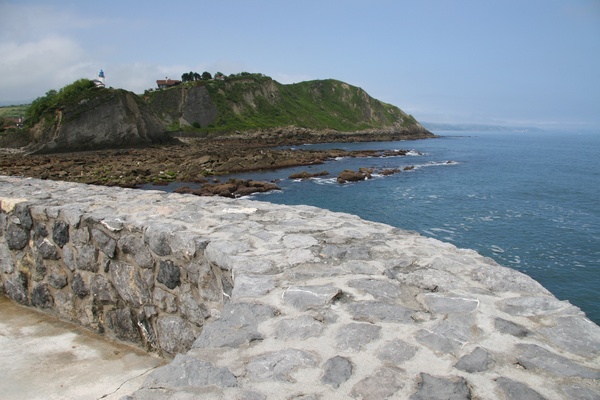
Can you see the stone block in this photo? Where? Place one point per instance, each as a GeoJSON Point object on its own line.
{"type": "Point", "coordinates": [168, 274]}
{"type": "Point", "coordinates": [478, 360]}
{"type": "Point", "coordinates": [129, 284]}
{"type": "Point", "coordinates": [336, 371]}
{"type": "Point", "coordinates": [380, 289]}
{"type": "Point", "coordinates": [164, 300]}
{"type": "Point", "coordinates": [529, 306]}
{"type": "Point", "coordinates": [279, 365]}
{"type": "Point", "coordinates": [441, 388]}
{"type": "Point", "coordinates": [510, 328]}
{"type": "Point", "coordinates": [16, 288]}
{"type": "Point", "coordinates": [121, 322]}
{"type": "Point", "coordinates": [301, 328]}
{"type": "Point", "coordinates": [60, 233]}
{"type": "Point", "coordinates": [158, 238]}
{"type": "Point", "coordinates": [6, 262]}
{"type": "Point", "coordinates": [87, 258]}
{"type": "Point", "coordinates": [102, 290]}
{"type": "Point", "coordinates": [514, 390]}
{"type": "Point", "coordinates": [574, 334]}
{"type": "Point", "coordinates": [21, 212]}
{"type": "Point", "coordinates": [175, 335]}
{"type": "Point", "coordinates": [57, 278]}
{"type": "Point", "coordinates": [107, 244]}
{"type": "Point", "coordinates": [396, 351]}
{"type": "Point", "coordinates": [79, 287]}
{"type": "Point", "coordinates": [307, 297]}
{"type": "Point", "coordinates": [441, 303]}
{"type": "Point", "coordinates": [191, 308]}
{"type": "Point", "coordinates": [238, 325]}
{"type": "Point", "coordinates": [69, 258]}
{"type": "Point", "coordinates": [355, 336]}
{"type": "Point", "coordinates": [252, 286]}
{"type": "Point", "coordinates": [135, 247]}
{"type": "Point", "coordinates": [46, 249]}
{"type": "Point", "coordinates": [375, 311]}
{"type": "Point", "coordinates": [382, 384]}
{"type": "Point", "coordinates": [16, 236]}
{"type": "Point", "coordinates": [187, 371]}
{"type": "Point", "coordinates": [536, 358]}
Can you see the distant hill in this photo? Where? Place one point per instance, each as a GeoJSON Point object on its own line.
{"type": "Point", "coordinates": [254, 101]}
{"type": "Point", "coordinates": [436, 126]}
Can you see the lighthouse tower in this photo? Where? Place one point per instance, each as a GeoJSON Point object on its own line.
{"type": "Point", "coordinates": [99, 82]}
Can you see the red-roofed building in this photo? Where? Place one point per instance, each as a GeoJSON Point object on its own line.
{"type": "Point", "coordinates": [167, 83]}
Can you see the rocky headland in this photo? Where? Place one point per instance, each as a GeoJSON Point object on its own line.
{"type": "Point", "coordinates": [253, 300]}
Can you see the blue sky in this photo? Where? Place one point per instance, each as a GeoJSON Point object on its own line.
{"type": "Point", "coordinates": [526, 62]}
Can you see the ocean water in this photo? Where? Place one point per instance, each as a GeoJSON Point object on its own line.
{"type": "Point", "coordinates": [530, 201]}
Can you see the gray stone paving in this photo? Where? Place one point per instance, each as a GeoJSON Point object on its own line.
{"type": "Point", "coordinates": [312, 304]}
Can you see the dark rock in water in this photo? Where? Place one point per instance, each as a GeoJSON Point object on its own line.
{"type": "Point", "coordinates": [390, 171]}
{"type": "Point", "coordinates": [352, 176]}
{"type": "Point", "coordinates": [307, 175]}
{"type": "Point", "coordinates": [234, 188]}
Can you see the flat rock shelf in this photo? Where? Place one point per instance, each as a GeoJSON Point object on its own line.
{"type": "Point", "coordinates": [303, 303]}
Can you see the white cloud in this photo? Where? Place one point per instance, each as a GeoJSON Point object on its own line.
{"type": "Point", "coordinates": [29, 69]}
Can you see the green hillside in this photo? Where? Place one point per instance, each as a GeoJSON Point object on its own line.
{"type": "Point", "coordinates": [254, 101]}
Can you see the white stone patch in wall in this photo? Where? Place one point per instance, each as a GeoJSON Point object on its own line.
{"type": "Point", "coordinates": [245, 210]}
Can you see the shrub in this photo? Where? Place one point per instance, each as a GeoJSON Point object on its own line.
{"type": "Point", "coordinates": [53, 99]}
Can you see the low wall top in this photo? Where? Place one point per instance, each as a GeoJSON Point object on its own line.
{"type": "Point", "coordinates": [261, 301]}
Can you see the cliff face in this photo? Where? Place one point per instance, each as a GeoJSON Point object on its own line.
{"type": "Point", "coordinates": [105, 119]}
{"type": "Point", "coordinates": [184, 106]}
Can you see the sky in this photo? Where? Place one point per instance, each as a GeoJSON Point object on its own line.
{"type": "Point", "coordinates": [505, 62]}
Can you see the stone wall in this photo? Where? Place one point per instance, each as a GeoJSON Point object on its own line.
{"type": "Point", "coordinates": [263, 301]}
{"type": "Point", "coordinates": [146, 284]}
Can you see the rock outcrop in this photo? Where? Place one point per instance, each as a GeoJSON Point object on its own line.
{"type": "Point", "coordinates": [263, 301]}
{"type": "Point", "coordinates": [184, 106]}
{"type": "Point", "coordinates": [106, 119]}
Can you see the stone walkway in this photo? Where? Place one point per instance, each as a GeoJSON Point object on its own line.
{"type": "Point", "coordinates": [328, 306]}
{"type": "Point", "coordinates": [47, 359]}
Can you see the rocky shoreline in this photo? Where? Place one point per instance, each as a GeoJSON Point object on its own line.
{"type": "Point", "coordinates": [194, 160]}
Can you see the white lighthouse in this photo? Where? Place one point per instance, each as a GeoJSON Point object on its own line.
{"type": "Point", "coordinates": [99, 82]}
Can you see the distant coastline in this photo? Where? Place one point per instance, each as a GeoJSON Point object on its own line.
{"type": "Point", "coordinates": [440, 126]}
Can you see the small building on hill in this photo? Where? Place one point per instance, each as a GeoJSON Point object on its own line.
{"type": "Point", "coordinates": [99, 82]}
{"type": "Point", "coordinates": [167, 83]}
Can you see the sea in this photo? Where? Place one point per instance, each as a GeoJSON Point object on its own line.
{"type": "Point", "coordinates": [528, 200]}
